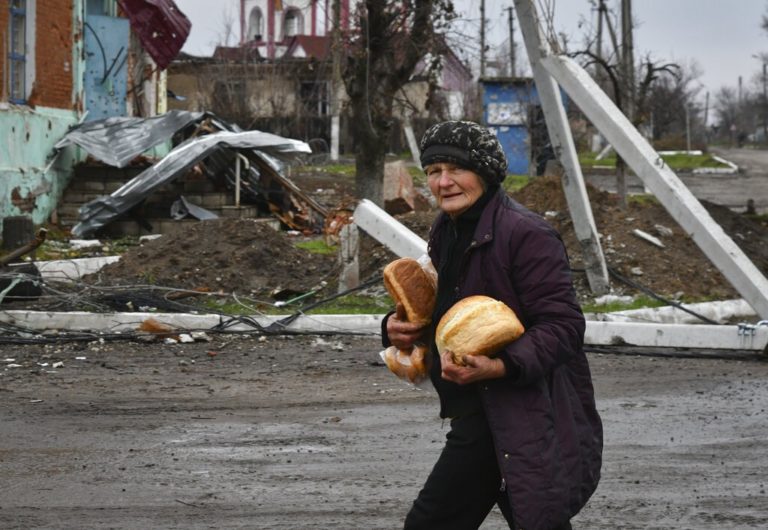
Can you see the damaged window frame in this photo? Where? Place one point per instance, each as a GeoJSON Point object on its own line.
{"type": "Point", "coordinates": [21, 39]}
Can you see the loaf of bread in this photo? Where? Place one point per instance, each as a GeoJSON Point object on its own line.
{"type": "Point", "coordinates": [477, 325]}
{"type": "Point", "coordinates": [409, 365]}
{"type": "Point", "coordinates": [410, 285]}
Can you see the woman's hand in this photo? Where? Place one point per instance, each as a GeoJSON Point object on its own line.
{"type": "Point", "coordinates": [478, 368]}
{"type": "Point", "coordinates": [401, 333]}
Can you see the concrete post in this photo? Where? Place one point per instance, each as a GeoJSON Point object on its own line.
{"type": "Point", "coordinates": [565, 150]}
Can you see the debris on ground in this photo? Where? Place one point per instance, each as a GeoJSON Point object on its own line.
{"type": "Point", "coordinates": [252, 260]}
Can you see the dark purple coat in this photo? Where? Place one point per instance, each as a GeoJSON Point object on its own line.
{"type": "Point", "coordinates": [546, 429]}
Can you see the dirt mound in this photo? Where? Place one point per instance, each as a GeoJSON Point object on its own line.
{"type": "Point", "coordinates": [678, 269]}
{"type": "Point", "coordinates": [228, 255]}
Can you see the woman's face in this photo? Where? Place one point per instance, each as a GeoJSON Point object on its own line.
{"type": "Point", "coordinates": [455, 188]}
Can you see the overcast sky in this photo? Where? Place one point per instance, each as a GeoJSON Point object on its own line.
{"type": "Point", "coordinates": [721, 36]}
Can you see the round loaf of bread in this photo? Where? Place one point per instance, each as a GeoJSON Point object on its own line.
{"type": "Point", "coordinates": [410, 285]}
{"type": "Point", "coordinates": [477, 325]}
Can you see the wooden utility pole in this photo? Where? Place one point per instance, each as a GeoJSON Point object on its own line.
{"type": "Point", "coordinates": [482, 38]}
{"type": "Point", "coordinates": [512, 65]}
{"type": "Point", "coordinates": [599, 43]}
{"type": "Point", "coordinates": [628, 58]}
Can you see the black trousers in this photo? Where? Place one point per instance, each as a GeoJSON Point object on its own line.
{"type": "Point", "coordinates": [464, 484]}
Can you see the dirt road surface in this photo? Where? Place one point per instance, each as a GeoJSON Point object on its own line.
{"type": "Point", "coordinates": [313, 433]}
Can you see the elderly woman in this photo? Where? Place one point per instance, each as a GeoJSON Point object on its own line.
{"type": "Point", "coordinates": [525, 434]}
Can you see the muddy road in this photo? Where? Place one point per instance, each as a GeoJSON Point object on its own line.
{"type": "Point", "coordinates": [311, 432]}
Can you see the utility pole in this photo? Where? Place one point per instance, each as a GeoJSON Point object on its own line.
{"type": "Point", "coordinates": [512, 65]}
{"type": "Point", "coordinates": [765, 106]}
{"type": "Point", "coordinates": [706, 118]}
{"type": "Point", "coordinates": [336, 82]}
{"type": "Point", "coordinates": [482, 38]}
{"type": "Point", "coordinates": [628, 57]}
{"type": "Point", "coordinates": [600, 14]}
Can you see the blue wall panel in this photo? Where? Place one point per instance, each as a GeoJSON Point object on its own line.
{"type": "Point", "coordinates": [106, 53]}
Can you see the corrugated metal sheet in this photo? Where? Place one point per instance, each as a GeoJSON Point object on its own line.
{"type": "Point", "coordinates": [103, 210]}
{"type": "Point", "coordinates": [117, 141]}
{"type": "Point", "coordinates": [160, 25]}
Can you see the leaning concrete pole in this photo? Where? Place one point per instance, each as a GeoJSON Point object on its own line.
{"type": "Point", "coordinates": [565, 150]}
{"type": "Point", "coordinates": [684, 208]}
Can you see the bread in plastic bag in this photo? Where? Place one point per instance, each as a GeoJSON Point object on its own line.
{"type": "Point", "coordinates": [409, 365]}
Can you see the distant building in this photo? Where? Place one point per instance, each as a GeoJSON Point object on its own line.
{"type": "Point", "coordinates": [280, 75]}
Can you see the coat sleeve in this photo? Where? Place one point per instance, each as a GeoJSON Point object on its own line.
{"type": "Point", "coordinates": [541, 278]}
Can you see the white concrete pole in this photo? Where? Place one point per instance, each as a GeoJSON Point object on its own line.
{"type": "Point", "coordinates": [684, 208]}
{"type": "Point", "coordinates": [565, 150]}
{"type": "Point", "coordinates": [413, 145]}
{"type": "Point", "coordinates": [349, 250]}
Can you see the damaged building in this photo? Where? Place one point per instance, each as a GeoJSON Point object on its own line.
{"type": "Point", "coordinates": [70, 62]}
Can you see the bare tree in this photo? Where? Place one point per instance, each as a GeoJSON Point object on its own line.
{"type": "Point", "coordinates": [393, 37]}
{"type": "Point", "coordinates": [628, 84]}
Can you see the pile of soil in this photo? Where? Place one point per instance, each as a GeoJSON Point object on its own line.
{"type": "Point", "coordinates": [224, 255]}
{"type": "Point", "coordinates": [679, 269]}
{"type": "Point", "coordinates": [233, 255]}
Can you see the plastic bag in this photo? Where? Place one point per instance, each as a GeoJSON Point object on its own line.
{"type": "Point", "coordinates": [411, 366]}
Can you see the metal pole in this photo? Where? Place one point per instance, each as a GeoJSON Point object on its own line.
{"type": "Point", "coordinates": [482, 39]}
{"type": "Point", "coordinates": [512, 65]}
{"type": "Point", "coordinates": [688, 128]}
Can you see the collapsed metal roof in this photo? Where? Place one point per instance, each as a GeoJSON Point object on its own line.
{"type": "Point", "coordinates": [116, 141]}
{"type": "Point", "coordinates": [98, 136]}
{"type": "Point", "coordinates": [162, 28]}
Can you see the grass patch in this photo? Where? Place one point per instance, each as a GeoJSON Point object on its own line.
{"type": "Point", "coordinates": [638, 303]}
{"type": "Point", "coordinates": [678, 162]}
{"type": "Point", "coordinates": [515, 182]}
{"type": "Point", "coordinates": [354, 304]}
{"type": "Point", "coordinates": [347, 170]}
{"type": "Point", "coordinates": [642, 199]}
{"type": "Point", "coordinates": [317, 246]}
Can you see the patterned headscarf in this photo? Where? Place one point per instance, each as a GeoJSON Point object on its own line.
{"type": "Point", "coordinates": [466, 144]}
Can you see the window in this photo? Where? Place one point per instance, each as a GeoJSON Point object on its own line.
{"type": "Point", "coordinates": [255, 25]}
{"type": "Point", "coordinates": [17, 51]}
{"type": "Point", "coordinates": [292, 23]}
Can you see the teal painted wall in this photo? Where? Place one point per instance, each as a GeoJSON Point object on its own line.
{"type": "Point", "coordinates": [31, 180]}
